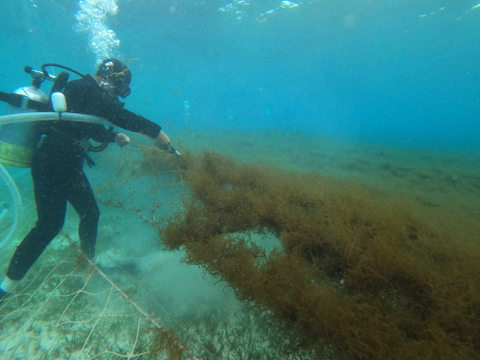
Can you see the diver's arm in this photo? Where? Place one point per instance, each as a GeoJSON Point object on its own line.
{"type": "Point", "coordinates": [128, 120]}
{"type": "Point", "coordinates": [137, 123]}
{"type": "Point", "coordinates": [102, 135]}
{"type": "Point", "coordinates": [85, 97]}
{"type": "Point", "coordinates": [99, 104]}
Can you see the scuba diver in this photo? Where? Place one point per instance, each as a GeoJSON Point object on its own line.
{"type": "Point", "coordinates": [57, 164]}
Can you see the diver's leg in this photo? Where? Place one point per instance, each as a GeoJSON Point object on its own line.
{"type": "Point", "coordinates": [83, 200]}
{"type": "Point", "coordinates": [51, 201]}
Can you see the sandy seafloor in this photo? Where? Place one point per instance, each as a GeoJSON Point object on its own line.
{"type": "Point", "coordinates": [202, 310]}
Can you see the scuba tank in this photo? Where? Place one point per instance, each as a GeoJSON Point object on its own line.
{"type": "Point", "coordinates": [19, 141]}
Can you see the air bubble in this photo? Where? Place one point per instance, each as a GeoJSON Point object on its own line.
{"type": "Point", "coordinates": [92, 19]}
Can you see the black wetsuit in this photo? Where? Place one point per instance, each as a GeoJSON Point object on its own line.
{"type": "Point", "coordinates": [57, 171]}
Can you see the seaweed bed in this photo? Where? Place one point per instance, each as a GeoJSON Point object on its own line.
{"type": "Point", "coordinates": [359, 273]}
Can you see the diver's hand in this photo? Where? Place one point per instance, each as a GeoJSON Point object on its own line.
{"type": "Point", "coordinates": [122, 139]}
{"type": "Point", "coordinates": [163, 141]}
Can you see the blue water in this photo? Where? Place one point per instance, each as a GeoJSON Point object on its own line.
{"type": "Point", "coordinates": [404, 73]}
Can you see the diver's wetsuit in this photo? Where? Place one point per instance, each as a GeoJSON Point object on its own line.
{"type": "Point", "coordinates": [57, 171]}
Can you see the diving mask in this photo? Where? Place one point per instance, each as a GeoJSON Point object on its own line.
{"type": "Point", "coordinates": [116, 76]}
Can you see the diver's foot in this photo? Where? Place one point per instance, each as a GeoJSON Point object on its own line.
{"type": "Point", "coordinates": [3, 295]}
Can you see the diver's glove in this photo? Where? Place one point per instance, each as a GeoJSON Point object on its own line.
{"type": "Point", "coordinates": [163, 142]}
{"type": "Point", "coordinates": [122, 139]}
